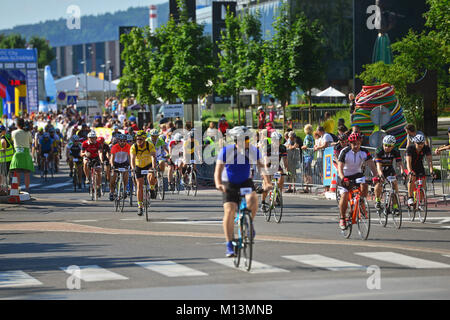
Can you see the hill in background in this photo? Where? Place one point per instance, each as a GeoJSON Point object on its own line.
{"type": "Point", "coordinates": [94, 28]}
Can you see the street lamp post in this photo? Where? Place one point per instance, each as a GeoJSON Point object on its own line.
{"type": "Point", "coordinates": [104, 76]}
{"type": "Point", "coordinates": [86, 86]}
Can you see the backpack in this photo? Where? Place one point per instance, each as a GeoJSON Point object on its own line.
{"type": "Point", "coordinates": [147, 147]}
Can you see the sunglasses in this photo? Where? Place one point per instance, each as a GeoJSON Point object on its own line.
{"type": "Point", "coordinates": [389, 145]}
{"type": "Point", "coordinates": [139, 139]}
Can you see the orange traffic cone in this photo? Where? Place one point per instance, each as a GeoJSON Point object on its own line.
{"type": "Point", "coordinates": [14, 195]}
{"type": "Point", "coordinates": [333, 184]}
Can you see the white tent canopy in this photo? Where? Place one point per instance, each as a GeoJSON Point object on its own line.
{"type": "Point", "coordinates": [330, 92]}
{"type": "Point", "coordinates": [78, 82]}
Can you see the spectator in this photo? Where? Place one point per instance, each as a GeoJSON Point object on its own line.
{"type": "Point", "coordinates": [178, 123]}
{"type": "Point", "coordinates": [341, 123]}
{"type": "Point", "coordinates": [293, 144]}
{"type": "Point", "coordinates": [308, 156]}
{"type": "Point", "coordinates": [22, 161]}
{"type": "Point", "coordinates": [133, 123]}
{"type": "Point", "coordinates": [211, 131]}
{"type": "Point", "coordinates": [272, 110]}
{"type": "Point", "coordinates": [261, 118]}
{"type": "Point", "coordinates": [411, 133]}
{"type": "Point", "coordinates": [325, 141]}
{"type": "Point", "coordinates": [6, 155]}
{"type": "Point", "coordinates": [328, 123]}
{"type": "Point", "coordinates": [223, 125]}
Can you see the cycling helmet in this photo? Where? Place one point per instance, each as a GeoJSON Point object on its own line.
{"type": "Point", "coordinates": [419, 139]}
{"type": "Point", "coordinates": [355, 136]}
{"type": "Point", "coordinates": [240, 131]}
{"type": "Point", "coordinates": [46, 135]}
{"type": "Point", "coordinates": [75, 138]}
{"type": "Point", "coordinates": [154, 132]}
{"type": "Point", "coordinates": [57, 130]}
{"type": "Point", "coordinates": [130, 130]}
{"type": "Point", "coordinates": [92, 134]}
{"type": "Point", "coordinates": [343, 137]}
{"type": "Point", "coordinates": [122, 137]}
{"type": "Point", "coordinates": [276, 135]}
{"type": "Point", "coordinates": [178, 137]}
{"type": "Point", "coordinates": [130, 138]}
{"type": "Point", "coordinates": [51, 130]}
{"type": "Point", "coordinates": [389, 140]}
{"type": "Point", "coordinates": [101, 139]}
{"type": "Point", "coordinates": [133, 119]}
{"type": "Point", "coordinates": [2, 128]}
{"type": "Point", "coordinates": [141, 133]}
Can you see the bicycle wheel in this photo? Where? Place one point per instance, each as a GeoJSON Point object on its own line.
{"type": "Point", "coordinates": [267, 208]}
{"type": "Point", "coordinates": [396, 216]}
{"type": "Point", "coordinates": [117, 195]}
{"type": "Point", "coordinates": [178, 181]}
{"type": "Point", "coordinates": [363, 219]}
{"type": "Point", "coordinates": [121, 194]}
{"type": "Point", "coordinates": [338, 196]}
{"type": "Point", "coordinates": [247, 239]}
{"type": "Point", "coordinates": [146, 201]}
{"type": "Point", "coordinates": [411, 209]}
{"type": "Point", "coordinates": [422, 206]}
{"type": "Point", "coordinates": [94, 185]}
{"type": "Point", "coordinates": [131, 190]}
{"type": "Point", "coordinates": [194, 185]}
{"type": "Point", "coordinates": [383, 212]}
{"type": "Point", "coordinates": [348, 229]}
{"type": "Point", "coordinates": [161, 190]}
{"type": "Point", "coordinates": [276, 205]}
{"type": "Point", "coordinates": [75, 179]}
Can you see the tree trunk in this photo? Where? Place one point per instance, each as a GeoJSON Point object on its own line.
{"type": "Point", "coordinates": [310, 108]}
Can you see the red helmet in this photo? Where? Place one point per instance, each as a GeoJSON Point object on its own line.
{"type": "Point", "coordinates": [355, 136]}
{"type": "Point", "coordinates": [101, 139]}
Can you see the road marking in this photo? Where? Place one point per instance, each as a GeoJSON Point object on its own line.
{"type": "Point", "coordinates": [171, 269]}
{"type": "Point", "coordinates": [404, 260]}
{"type": "Point", "coordinates": [320, 261]}
{"type": "Point", "coordinates": [95, 273]}
{"type": "Point", "coordinates": [131, 219]}
{"type": "Point", "coordinates": [31, 186]}
{"type": "Point", "coordinates": [446, 255]}
{"type": "Point", "coordinates": [204, 222]}
{"type": "Point", "coordinates": [84, 221]}
{"type": "Point", "coordinates": [10, 279]}
{"type": "Point", "coordinates": [58, 185]}
{"type": "Point", "coordinates": [257, 267]}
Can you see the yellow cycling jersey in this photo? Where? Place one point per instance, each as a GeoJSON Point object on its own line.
{"type": "Point", "coordinates": [190, 146]}
{"type": "Point", "coordinates": [143, 155]}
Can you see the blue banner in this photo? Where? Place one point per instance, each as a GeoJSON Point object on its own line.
{"type": "Point", "coordinates": [329, 168]}
{"type": "Point", "coordinates": [18, 55]}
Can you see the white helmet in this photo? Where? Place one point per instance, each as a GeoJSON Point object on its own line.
{"type": "Point", "coordinates": [389, 140]}
{"type": "Point", "coordinates": [178, 137]}
{"type": "Point", "coordinates": [92, 134]}
{"type": "Point", "coordinates": [419, 139]}
{"type": "Point", "coordinates": [276, 135]}
{"type": "Point", "coordinates": [240, 131]}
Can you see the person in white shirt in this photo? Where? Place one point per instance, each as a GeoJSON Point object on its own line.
{"type": "Point", "coordinates": [122, 117]}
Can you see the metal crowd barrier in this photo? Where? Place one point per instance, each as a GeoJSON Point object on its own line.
{"type": "Point", "coordinates": [4, 180]}
{"type": "Point", "coordinates": [445, 173]}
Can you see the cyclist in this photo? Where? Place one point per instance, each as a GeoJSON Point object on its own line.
{"type": "Point", "coordinates": [281, 152]}
{"type": "Point", "coordinates": [37, 137]}
{"type": "Point", "coordinates": [143, 157]}
{"type": "Point", "coordinates": [415, 154]}
{"type": "Point", "coordinates": [341, 144]}
{"type": "Point", "coordinates": [161, 148]}
{"type": "Point", "coordinates": [83, 132]}
{"type": "Point", "coordinates": [45, 146]}
{"type": "Point", "coordinates": [74, 151]}
{"type": "Point", "coordinates": [91, 151]}
{"type": "Point", "coordinates": [106, 151]}
{"type": "Point", "coordinates": [233, 173]}
{"type": "Point", "coordinates": [192, 152]}
{"type": "Point", "coordinates": [120, 158]}
{"type": "Point", "coordinates": [350, 164]}
{"type": "Point", "coordinates": [384, 161]}
{"type": "Point", "coordinates": [56, 147]}
{"type": "Point", "coordinates": [176, 154]}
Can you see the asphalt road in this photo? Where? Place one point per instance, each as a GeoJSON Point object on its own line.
{"type": "Point", "coordinates": [61, 245]}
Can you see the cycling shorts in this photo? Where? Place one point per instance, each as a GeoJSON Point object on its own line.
{"type": "Point", "coordinates": [232, 193]}
{"type": "Point", "coordinates": [125, 165]}
{"type": "Point", "coordinates": [352, 178]}
{"type": "Point", "coordinates": [139, 175]}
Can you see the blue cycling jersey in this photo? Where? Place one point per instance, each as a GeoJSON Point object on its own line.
{"type": "Point", "coordinates": [46, 145]}
{"type": "Point", "coordinates": [237, 164]}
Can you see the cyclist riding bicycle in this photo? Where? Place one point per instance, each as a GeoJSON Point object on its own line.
{"type": "Point", "coordinates": [106, 151]}
{"type": "Point", "coordinates": [233, 173]}
{"type": "Point", "coordinates": [91, 151]}
{"type": "Point", "coordinates": [384, 161]}
{"type": "Point", "coordinates": [74, 151]}
{"type": "Point", "coordinates": [45, 147]}
{"type": "Point", "coordinates": [192, 152]}
{"type": "Point", "coordinates": [281, 152]}
{"type": "Point", "coordinates": [176, 154]}
{"type": "Point", "coordinates": [415, 154]}
{"type": "Point", "coordinates": [351, 160]}
{"type": "Point", "coordinates": [120, 158]}
{"type": "Point", "coordinates": [143, 157]}
{"type": "Point", "coordinates": [56, 147]}
{"type": "Point", "coordinates": [161, 148]}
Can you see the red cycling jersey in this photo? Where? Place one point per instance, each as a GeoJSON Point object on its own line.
{"type": "Point", "coordinates": [93, 148]}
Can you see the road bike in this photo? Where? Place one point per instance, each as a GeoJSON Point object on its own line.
{"type": "Point", "coordinates": [359, 211]}
{"type": "Point", "coordinates": [191, 177]}
{"type": "Point", "coordinates": [120, 193]}
{"type": "Point", "coordinates": [77, 175]}
{"type": "Point", "coordinates": [420, 205]}
{"type": "Point", "coordinates": [160, 189]}
{"type": "Point", "coordinates": [146, 200]}
{"type": "Point", "coordinates": [94, 165]}
{"type": "Point", "coordinates": [130, 186]}
{"type": "Point", "coordinates": [243, 243]}
{"type": "Point", "coordinates": [275, 206]}
{"type": "Point", "coordinates": [390, 197]}
{"type": "Point", "coordinates": [48, 167]}
{"type": "Point", "coordinates": [176, 184]}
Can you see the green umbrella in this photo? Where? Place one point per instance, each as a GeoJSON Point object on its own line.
{"type": "Point", "coordinates": [382, 49]}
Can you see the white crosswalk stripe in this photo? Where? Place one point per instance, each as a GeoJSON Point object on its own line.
{"type": "Point", "coordinates": [324, 262]}
{"type": "Point", "coordinates": [257, 267]}
{"type": "Point", "coordinates": [95, 273]}
{"type": "Point", "coordinates": [12, 279]}
{"type": "Point", "coordinates": [404, 260]}
{"type": "Point", "coordinates": [171, 269]}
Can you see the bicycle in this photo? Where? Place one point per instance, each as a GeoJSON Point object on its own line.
{"type": "Point", "coordinates": [390, 197]}
{"type": "Point", "coordinates": [420, 205]}
{"type": "Point", "coordinates": [192, 179]}
{"type": "Point", "coordinates": [119, 200]}
{"type": "Point", "coordinates": [48, 167]}
{"type": "Point", "coordinates": [276, 200]}
{"type": "Point", "coordinates": [146, 193]}
{"type": "Point", "coordinates": [76, 174]}
{"type": "Point", "coordinates": [176, 184]}
{"type": "Point", "coordinates": [358, 213]}
{"type": "Point", "coordinates": [243, 244]}
{"type": "Point", "coordinates": [93, 165]}
{"type": "Point", "coordinates": [130, 186]}
{"type": "Point", "coordinates": [160, 189]}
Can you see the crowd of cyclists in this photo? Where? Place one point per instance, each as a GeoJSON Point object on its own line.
{"type": "Point", "coordinates": [92, 159]}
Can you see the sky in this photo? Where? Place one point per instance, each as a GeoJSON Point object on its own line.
{"type": "Point", "coordinates": [35, 11]}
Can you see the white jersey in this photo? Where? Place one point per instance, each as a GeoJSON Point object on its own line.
{"type": "Point", "coordinates": [353, 161]}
